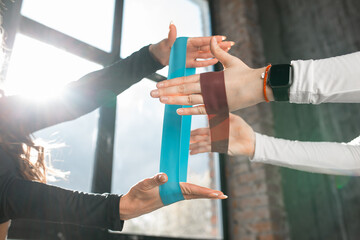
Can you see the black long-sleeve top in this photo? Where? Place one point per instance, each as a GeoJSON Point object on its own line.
{"type": "Point", "coordinates": [23, 199]}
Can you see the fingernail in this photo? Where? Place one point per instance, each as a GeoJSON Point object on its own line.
{"type": "Point", "coordinates": [171, 23]}
{"type": "Point", "coordinates": [232, 43]}
{"type": "Point", "coordinates": [224, 196]}
{"type": "Point", "coordinates": [223, 38]}
{"type": "Point", "coordinates": [162, 178]}
{"type": "Point", "coordinates": [215, 194]}
{"type": "Point", "coordinates": [159, 85]}
{"type": "Point", "coordinates": [180, 111]}
{"type": "Point", "coordinates": [154, 93]}
{"type": "Point", "coordinates": [163, 99]}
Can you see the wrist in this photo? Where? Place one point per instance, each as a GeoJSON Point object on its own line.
{"type": "Point", "coordinates": [260, 86]}
{"type": "Point", "coordinates": [156, 52]}
{"type": "Point", "coordinates": [124, 209]}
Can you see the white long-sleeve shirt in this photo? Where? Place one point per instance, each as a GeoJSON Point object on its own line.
{"type": "Point", "coordinates": [335, 79]}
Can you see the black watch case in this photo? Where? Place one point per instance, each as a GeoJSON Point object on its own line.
{"type": "Point", "coordinates": [280, 76]}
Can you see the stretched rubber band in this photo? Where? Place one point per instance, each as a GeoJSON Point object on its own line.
{"type": "Point", "coordinates": [176, 132]}
{"type": "Point", "coordinates": [214, 95]}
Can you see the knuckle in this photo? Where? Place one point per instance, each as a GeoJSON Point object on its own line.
{"type": "Point", "coordinates": [181, 88]}
{"type": "Point", "coordinates": [201, 110]}
{"type": "Point", "coordinates": [189, 99]}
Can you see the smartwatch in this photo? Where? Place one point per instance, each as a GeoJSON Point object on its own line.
{"type": "Point", "coordinates": [279, 79]}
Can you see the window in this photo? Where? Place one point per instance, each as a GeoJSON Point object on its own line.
{"type": "Point", "coordinates": [44, 70]}
{"type": "Point", "coordinates": [139, 125]}
{"type": "Point", "coordinates": [56, 42]}
{"type": "Point", "coordinates": [93, 25]}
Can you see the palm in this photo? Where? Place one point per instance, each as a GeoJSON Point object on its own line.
{"type": "Point", "coordinates": [241, 138]}
{"type": "Point", "coordinates": [197, 48]}
{"type": "Point", "coordinates": [144, 197]}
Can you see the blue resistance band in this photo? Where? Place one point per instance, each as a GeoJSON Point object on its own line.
{"type": "Point", "coordinates": [176, 132]}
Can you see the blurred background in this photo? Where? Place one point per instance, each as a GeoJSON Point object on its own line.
{"type": "Point", "coordinates": [54, 42]}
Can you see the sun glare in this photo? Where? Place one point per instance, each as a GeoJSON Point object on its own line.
{"type": "Point", "coordinates": [40, 71]}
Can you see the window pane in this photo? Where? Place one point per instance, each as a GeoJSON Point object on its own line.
{"type": "Point", "coordinates": [38, 68]}
{"type": "Point", "coordinates": [146, 22]}
{"type": "Point", "coordinates": [92, 26]}
{"type": "Point", "coordinates": [139, 127]}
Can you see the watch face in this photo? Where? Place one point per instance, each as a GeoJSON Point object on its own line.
{"type": "Point", "coordinates": [280, 75]}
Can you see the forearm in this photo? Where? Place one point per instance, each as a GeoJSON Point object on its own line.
{"type": "Point", "coordinates": [318, 157]}
{"type": "Point", "coordinates": [37, 201]}
{"type": "Point", "coordinates": [333, 79]}
{"type": "Point", "coordinates": [99, 87]}
{"type": "Point", "coordinates": [79, 97]}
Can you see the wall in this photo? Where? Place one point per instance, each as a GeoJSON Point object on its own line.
{"type": "Point", "coordinates": [318, 206]}
{"type": "Point", "coordinates": [255, 205]}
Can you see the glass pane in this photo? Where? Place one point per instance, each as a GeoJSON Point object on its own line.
{"type": "Point", "coordinates": [147, 22]}
{"type": "Point", "coordinates": [139, 126]}
{"type": "Point", "coordinates": [93, 26]}
{"type": "Point", "coordinates": [34, 64]}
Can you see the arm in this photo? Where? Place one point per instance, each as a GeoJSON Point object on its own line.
{"type": "Point", "coordinates": [99, 87]}
{"type": "Point", "coordinates": [79, 97]}
{"type": "Point", "coordinates": [315, 81]}
{"type": "Point", "coordinates": [333, 79]}
{"type": "Point", "coordinates": [319, 157]}
{"type": "Point", "coordinates": [21, 199]}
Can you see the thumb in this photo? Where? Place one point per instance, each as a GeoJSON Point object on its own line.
{"type": "Point", "coordinates": [172, 34]}
{"type": "Point", "coordinates": [157, 180]}
{"type": "Point", "coordinates": [225, 58]}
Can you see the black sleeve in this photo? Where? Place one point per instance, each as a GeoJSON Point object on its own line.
{"type": "Point", "coordinates": [24, 199]}
{"type": "Point", "coordinates": [79, 97]}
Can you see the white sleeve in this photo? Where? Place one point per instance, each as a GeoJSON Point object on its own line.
{"type": "Point", "coordinates": [335, 79]}
{"type": "Point", "coordinates": [317, 157]}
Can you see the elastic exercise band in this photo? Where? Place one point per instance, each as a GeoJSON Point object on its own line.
{"type": "Point", "coordinates": [214, 95]}
{"type": "Point", "coordinates": [176, 132]}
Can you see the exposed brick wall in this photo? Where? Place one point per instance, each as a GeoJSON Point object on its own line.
{"type": "Point", "coordinates": [255, 205]}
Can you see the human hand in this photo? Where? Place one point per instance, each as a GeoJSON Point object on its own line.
{"type": "Point", "coordinates": [244, 86]}
{"type": "Point", "coordinates": [144, 197]}
{"type": "Point", "coordinates": [197, 48]}
{"type": "Point", "coordinates": [241, 138]}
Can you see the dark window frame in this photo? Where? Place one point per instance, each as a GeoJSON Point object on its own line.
{"type": "Point", "coordinates": [14, 23]}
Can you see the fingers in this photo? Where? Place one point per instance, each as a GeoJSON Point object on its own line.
{"type": "Point", "coordinates": [203, 41]}
{"type": "Point", "coordinates": [225, 58]}
{"type": "Point", "coordinates": [183, 89]}
{"type": "Point", "coordinates": [192, 191]}
{"type": "Point", "coordinates": [200, 131]}
{"type": "Point", "coordinates": [206, 48]}
{"type": "Point", "coordinates": [200, 141]}
{"type": "Point", "coordinates": [178, 81]}
{"type": "Point", "coordinates": [204, 63]}
{"type": "Point", "coordinates": [172, 34]}
{"type": "Point", "coordinates": [192, 99]}
{"type": "Point", "coordinates": [197, 110]}
{"type": "Point", "coordinates": [150, 183]}
{"type": "Point", "coordinates": [200, 147]}
{"type": "Point", "coordinates": [199, 138]}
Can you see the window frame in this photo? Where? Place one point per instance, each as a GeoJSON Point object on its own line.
{"type": "Point", "coordinates": [15, 23]}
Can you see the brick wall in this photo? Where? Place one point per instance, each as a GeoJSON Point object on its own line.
{"type": "Point", "coordinates": [255, 205]}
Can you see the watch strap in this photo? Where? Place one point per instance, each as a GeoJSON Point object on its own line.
{"type": "Point", "coordinates": [281, 94]}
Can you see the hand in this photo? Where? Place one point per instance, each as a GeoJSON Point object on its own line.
{"type": "Point", "coordinates": [244, 86]}
{"type": "Point", "coordinates": [197, 48]}
{"type": "Point", "coordinates": [241, 138]}
{"type": "Point", "coordinates": [144, 197]}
